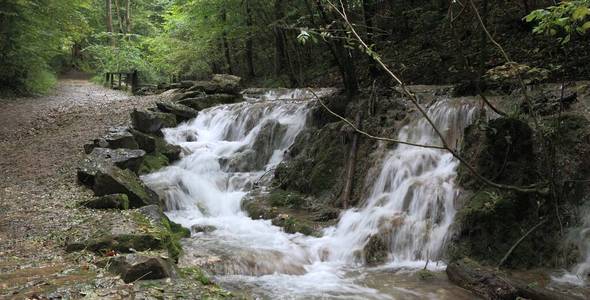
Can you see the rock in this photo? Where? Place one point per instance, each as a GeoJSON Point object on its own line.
{"type": "Point", "coordinates": [229, 84]}
{"type": "Point", "coordinates": [189, 94]}
{"type": "Point", "coordinates": [484, 283]}
{"type": "Point", "coordinates": [151, 122]}
{"type": "Point", "coordinates": [113, 180]}
{"type": "Point", "coordinates": [122, 158]}
{"type": "Point", "coordinates": [114, 201]}
{"type": "Point", "coordinates": [376, 251]}
{"type": "Point", "coordinates": [186, 84]}
{"type": "Point", "coordinates": [146, 142]}
{"type": "Point", "coordinates": [118, 242]}
{"type": "Point", "coordinates": [220, 84]}
{"type": "Point", "coordinates": [121, 139]}
{"type": "Point", "coordinates": [207, 101]}
{"type": "Point", "coordinates": [153, 162]}
{"type": "Point", "coordinates": [154, 144]}
{"type": "Point", "coordinates": [97, 143]}
{"type": "Point", "coordinates": [87, 170]}
{"type": "Point", "coordinates": [134, 267]}
{"type": "Point", "coordinates": [203, 228]}
{"type": "Point", "coordinates": [182, 112]}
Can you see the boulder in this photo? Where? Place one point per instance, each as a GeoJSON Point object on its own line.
{"type": "Point", "coordinates": [154, 144]}
{"type": "Point", "coordinates": [203, 228]}
{"type": "Point", "coordinates": [207, 87]}
{"type": "Point", "coordinates": [153, 162]}
{"type": "Point", "coordinates": [121, 242]}
{"type": "Point", "coordinates": [122, 158]}
{"type": "Point", "coordinates": [134, 267]}
{"type": "Point", "coordinates": [229, 84]}
{"type": "Point", "coordinates": [189, 94]}
{"type": "Point", "coordinates": [114, 201]}
{"type": "Point", "coordinates": [113, 180]}
{"type": "Point", "coordinates": [121, 139]}
{"type": "Point", "coordinates": [102, 158]}
{"type": "Point", "coordinates": [182, 112]}
{"type": "Point", "coordinates": [152, 122]}
{"type": "Point", "coordinates": [484, 283]}
{"type": "Point", "coordinates": [207, 101]}
{"type": "Point", "coordinates": [97, 143]}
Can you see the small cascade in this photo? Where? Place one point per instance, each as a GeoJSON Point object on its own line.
{"type": "Point", "coordinates": [579, 275]}
{"type": "Point", "coordinates": [229, 149]}
{"type": "Point", "coordinates": [411, 205]}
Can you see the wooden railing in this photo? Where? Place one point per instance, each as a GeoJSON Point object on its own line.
{"type": "Point", "coordinates": [123, 80]}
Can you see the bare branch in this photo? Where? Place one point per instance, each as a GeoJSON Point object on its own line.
{"type": "Point", "coordinates": [412, 97]}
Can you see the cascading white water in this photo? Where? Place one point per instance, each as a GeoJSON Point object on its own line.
{"type": "Point", "coordinates": [228, 148]}
{"type": "Point", "coordinates": [580, 273]}
{"type": "Point", "coordinates": [412, 200]}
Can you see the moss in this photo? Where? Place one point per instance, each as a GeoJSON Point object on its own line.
{"type": "Point", "coordinates": [293, 225]}
{"type": "Point", "coordinates": [286, 199]}
{"type": "Point", "coordinates": [168, 233]}
{"type": "Point", "coordinates": [425, 274]}
{"type": "Point", "coordinates": [196, 274]}
{"type": "Point", "coordinates": [153, 162]}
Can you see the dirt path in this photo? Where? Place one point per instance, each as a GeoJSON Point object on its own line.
{"type": "Point", "coordinates": [40, 145]}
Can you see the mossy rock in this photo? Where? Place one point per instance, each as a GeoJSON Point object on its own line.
{"type": "Point", "coordinates": [152, 163]}
{"type": "Point", "coordinates": [293, 225]}
{"type": "Point", "coordinates": [152, 122]}
{"type": "Point", "coordinates": [113, 180]}
{"type": "Point", "coordinates": [115, 201]}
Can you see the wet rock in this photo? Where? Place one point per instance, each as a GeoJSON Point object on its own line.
{"type": "Point", "coordinates": [114, 201]}
{"type": "Point", "coordinates": [469, 275]}
{"type": "Point", "coordinates": [189, 94]}
{"type": "Point", "coordinates": [229, 84]}
{"type": "Point", "coordinates": [155, 144]}
{"type": "Point", "coordinates": [113, 180]}
{"type": "Point", "coordinates": [134, 267]}
{"type": "Point", "coordinates": [146, 142]}
{"type": "Point", "coordinates": [207, 101]}
{"type": "Point", "coordinates": [152, 122]}
{"type": "Point", "coordinates": [121, 139]}
{"type": "Point", "coordinates": [220, 84]}
{"type": "Point", "coordinates": [203, 228]}
{"type": "Point", "coordinates": [122, 158]}
{"type": "Point", "coordinates": [376, 251]}
{"type": "Point", "coordinates": [182, 112]}
{"type": "Point", "coordinates": [152, 163]}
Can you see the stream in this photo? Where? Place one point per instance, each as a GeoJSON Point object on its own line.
{"type": "Point", "coordinates": [228, 150]}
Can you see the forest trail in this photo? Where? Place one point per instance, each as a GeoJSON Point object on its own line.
{"type": "Point", "coordinates": [40, 143]}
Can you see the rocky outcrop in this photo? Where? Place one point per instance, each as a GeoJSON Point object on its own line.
{"type": "Point", "coordinates": [490, 284]}
{"type": "Point", "coordinates": [207, 101]}
{"type": "Point", "coordinates": [122, 158]}
{"type": "Point", "coordinates": [113, 180]}
{"type": "Point", "coordinates": [182, 112]}
{"type": "Point", "coordinates": [114, 201]}
{"type": "Point", "coordinates": [152, 122]}
{"type": "Point", "coordinates": [134, 267]}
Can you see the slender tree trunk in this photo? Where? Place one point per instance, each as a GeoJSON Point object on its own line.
{"type": "Point", "coordinates": [351, 163]}
{"type": "Point", "coordinates": [119, 18]}
{"type": "Point", "coordinates": [279, 45]}
{"type": "Point", "coordinates": [342, 57]}
{"type": "Point", "coordinates": [368, 13]}
{"type": "Point", "coordinates": [109, 16]}
{"type": "Point", "coordinates": [226, 43]}
{"type": "Point", "coordinates": [249, 43]}
{"type": "Point", "coordinates": [128, 16]}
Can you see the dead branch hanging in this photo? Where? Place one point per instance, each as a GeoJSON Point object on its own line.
{"type": "Point", "coordinates": [412, 97]}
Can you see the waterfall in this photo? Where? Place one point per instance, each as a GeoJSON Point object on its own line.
{"type": "Point", "coordinates": [229, 148]}
{"type": "Point", "coordinates": [412, 201]}
{"type": "Point", "coordinates": [579, 274]}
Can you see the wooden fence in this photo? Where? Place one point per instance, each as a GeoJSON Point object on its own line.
{"type": "Point", "coordinates": [123, 80]}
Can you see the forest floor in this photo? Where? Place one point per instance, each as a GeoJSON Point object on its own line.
{"type": "Point", "coordinates": [41, 141]}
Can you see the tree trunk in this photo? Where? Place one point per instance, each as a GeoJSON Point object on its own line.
{"type": "Point", "coordinates": [128, 16]}
{"type": "Point", "coordinates": [342, 56]}
{"type": "Point", "coordinates": [119, 18]}
{"type": "Point", "coordinates": [351, 163]}
{"type": "Point", "coordinates": [226, 43]}
{"type": "Point", "coordinates": [279, 44]}
{"type": "Point", "coordinates": [249, 43]}
{"type": "Point", "coordinates": [368, 13]}
{"type": "Point", "coordinates": [109, 16]}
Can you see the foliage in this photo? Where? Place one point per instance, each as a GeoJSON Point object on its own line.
{"type": "Point", "coordinates": [565, 20]}
{"type": "Point", "coordinates": [32, 33]}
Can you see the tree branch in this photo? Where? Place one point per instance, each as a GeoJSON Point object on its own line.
{"type": "Point", "coordinates": [412, 97]}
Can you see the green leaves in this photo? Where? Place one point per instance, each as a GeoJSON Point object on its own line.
{"type": "Point", "coordinates": [564, 21]}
